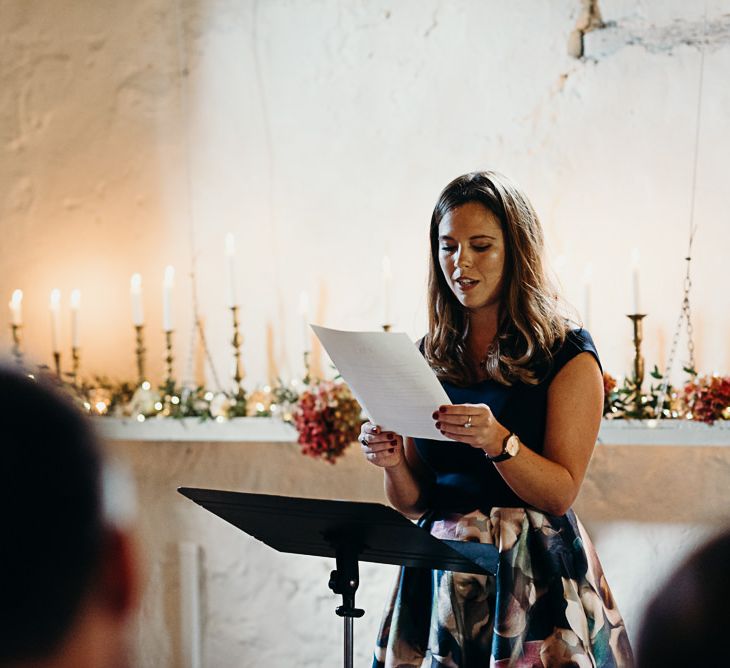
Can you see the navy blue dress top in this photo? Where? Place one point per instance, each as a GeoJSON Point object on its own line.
{"type": "Point", "coordinates": [464, 479]}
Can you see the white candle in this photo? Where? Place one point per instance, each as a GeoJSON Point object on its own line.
{"type": "Point", "coordinates": [167, 286]}
{"type": "Point", "coordinates": [135, 292]}
{"type": "Point", "coordinates": [587, 275]}
{"type": "Point", "coordinates": [230, 265]}
{"type": "Point", "coordinates": [16, 308]}
{"type": "Point", "coordinates": [75, 304]}
{"type": "Point", "coordinates": [387, 276]}
{"type": "Point", "coordinates": [635, 257]}
{"type": "Point", "coordinates": [56, 319]}
{"type": "Point", "coordinates": [304, 312]}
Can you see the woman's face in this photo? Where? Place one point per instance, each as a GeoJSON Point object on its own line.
{"type": "Point", "coordinates": [471, 255]}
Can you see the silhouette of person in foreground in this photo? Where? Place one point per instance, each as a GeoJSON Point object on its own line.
{"type": "Point", "coordinates": [685, 622]}
{"type": "Point", "coordinates": [67, 557]}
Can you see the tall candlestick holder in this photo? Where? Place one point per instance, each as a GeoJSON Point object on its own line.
{"type": "Point", "coordinates": [75, 363]}
{"type": "Point", "coordinates": [237, 341]}
{"type": "Point", "coordinates": [307, 368]}
{"type": "Point", "coordinates": [17, 352]}
{"type": "Point", "coordinates": [387, 328]}
{"type": "Point", "coordinates": [57, 362]}
{"type": "Point", "coordinates": [169, 358]}
{"type": "Point", "coordinates": [638, 379]}
{"type": "Point", "coordinates": [140, 353]}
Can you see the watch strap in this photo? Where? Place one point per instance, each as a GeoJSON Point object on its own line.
{"type": "Point", "coordinates": [504, 455]}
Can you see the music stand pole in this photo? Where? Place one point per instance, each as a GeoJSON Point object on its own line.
{"type": "Point", "coordinates": [344, 580]}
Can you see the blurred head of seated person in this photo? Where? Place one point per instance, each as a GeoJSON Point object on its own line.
{"type": "Point", "coordinates": [685, 622]}
{"type": "Point", "coordinates": [67, 558]}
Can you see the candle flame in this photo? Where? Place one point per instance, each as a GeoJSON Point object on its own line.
{"type": "Point", "coordinates": [169, 276]}
{"type": "Point", "coordinates": [17, 298]}
{"type": "Point", "coordinates": [136, 282]}
{"type": "Point", "coordinates": [635, 257]}
{"type": "Point", "coordinates": [75, 298]}
{"type": "Point", "coordinates": [55, 298]}
{"type": "Point", "coordinates": [387, 273]}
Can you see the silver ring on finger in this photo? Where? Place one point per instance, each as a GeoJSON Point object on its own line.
{"type": "Point", "coordinates": [468, 424]}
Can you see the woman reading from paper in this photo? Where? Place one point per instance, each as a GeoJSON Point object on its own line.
{"type": "Point", "coordinates": [527, 396]}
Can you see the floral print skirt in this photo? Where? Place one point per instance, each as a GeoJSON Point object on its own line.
{"type": "Point", "coordinates": [548, 605]}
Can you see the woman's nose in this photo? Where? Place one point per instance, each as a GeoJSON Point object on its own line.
{"type": "Point", "coordinates": [463, 258]}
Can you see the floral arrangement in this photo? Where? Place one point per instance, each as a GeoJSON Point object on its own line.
{"type": "Point", "coordinates": [328, 419]}
{"type": "Point", "coordinates": [703, 398]}
{"type": "Point", "coordinates": [708, 398]}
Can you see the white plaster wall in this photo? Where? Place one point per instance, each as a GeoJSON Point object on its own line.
{"type": "Point", "coordinates": [322, 132]}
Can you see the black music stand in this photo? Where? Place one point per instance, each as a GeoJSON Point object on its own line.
{"type": "Point", "coordinates": [349, 531]}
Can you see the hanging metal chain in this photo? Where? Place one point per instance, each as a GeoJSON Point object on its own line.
{"type": "Point", "coordinates": [685, 313]}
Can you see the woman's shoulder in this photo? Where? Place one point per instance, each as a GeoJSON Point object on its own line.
{"type": "Point", "coordinates": [576, 341]}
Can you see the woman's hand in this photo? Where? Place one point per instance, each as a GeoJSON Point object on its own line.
{"type": "Point", "coordinates": [473, 424]}
{"type": "Point", "coordinates": [382, 448]}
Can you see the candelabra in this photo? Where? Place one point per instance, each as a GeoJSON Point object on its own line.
{"type": "Point", "coordinates": [17, 353]}
{"type": "Point", "coordinates": [307, 370]}
{"type": "Point", "coordinates": [638, 379]}
{"type": "Point", "coordinates": [386, 328]}
{"type": "Point", "coordinates": [57, 362]}
{"type": "Point", "coordinates": [236, 342]}
{"type": "Point", "coordinates": [140, 351]}
{"type": "Point", "coordinates": [75, 363]}
{"type": "Point", "coordinates": [169, 358]}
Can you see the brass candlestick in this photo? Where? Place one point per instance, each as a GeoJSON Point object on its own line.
{"type": "Point", "coordinates": [386, 328]}
{"type": "Point", "coordinates": [237, 341]}
{"type": "Point", "coordinates": [75, 363]}
{"type": "Point", "coordinates": [169, 380]}
{"type": "Point", "coordinates": [57, 362]}
{"type": "Point", "coordinates": [17, 352]}
{"type": "Point", "coordinates": [638, 379]}
{"type": "Point", "coordinates": [307, 373]}
{"type": "Point", "coordinates": [140, 351]}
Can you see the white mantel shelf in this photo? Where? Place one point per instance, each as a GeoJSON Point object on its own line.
{"type": "Point", "coordinates": [613, 432]}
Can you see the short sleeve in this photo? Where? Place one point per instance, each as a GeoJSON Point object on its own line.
{"type": "Point", "coordinates": [576, 341]}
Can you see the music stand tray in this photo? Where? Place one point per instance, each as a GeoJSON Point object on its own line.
{"type": "Point", "coordinates": [349, 531]}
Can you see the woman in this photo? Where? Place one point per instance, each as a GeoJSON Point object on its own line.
{"type": "Point", "coordinates": [527, 397]}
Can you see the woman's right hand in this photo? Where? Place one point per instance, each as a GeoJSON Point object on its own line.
{"type": "Point", "coordinates": [381, 448]}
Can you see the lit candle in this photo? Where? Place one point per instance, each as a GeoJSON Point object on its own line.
{"type": "Point", "coordinates": [56, 319]}
{"type": "Point", "coordinates": [304, 312]}
{"type": "Point", "coordinates": [75, 304]}
{"type": "Point", "coordinates": [387, 276]}
{"type": "Point", "coordinates": [16, 311]}
{"type": "Point", "coordinates": [635, 257]}
{"type": "Point", "coordinates": [135, 292]}
{"type": "Point", "coordinates": [230, 264]}
{"type": "Point", "coordinates": [587, 275]}
{"type": "Point", "coordinates": [167, 286]}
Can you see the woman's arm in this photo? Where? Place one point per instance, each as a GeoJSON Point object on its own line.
{"type": "Point", "coordinates": [405, 477]}
{"type": "Point", "coordinates": [550, 481]}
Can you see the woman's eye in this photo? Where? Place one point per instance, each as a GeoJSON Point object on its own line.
{"type": "Point", "coordinates": [448, 249]}
{"type": "Point", "coordinates": [481, 249]}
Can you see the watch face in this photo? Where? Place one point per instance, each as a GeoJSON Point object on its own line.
{"type": "Point", "coordinates": [512, 446]}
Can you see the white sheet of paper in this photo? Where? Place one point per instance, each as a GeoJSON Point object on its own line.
{"type": "Point", "coordinates": [389, 377]}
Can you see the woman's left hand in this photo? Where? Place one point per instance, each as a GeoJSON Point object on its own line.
{"type": "Point", "coordinates": [473, 424]}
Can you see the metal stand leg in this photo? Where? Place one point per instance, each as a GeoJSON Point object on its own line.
{"type": "Point", "coordinates": [344, 581]}
{"type": "Point", "coordinates": [349, 645]}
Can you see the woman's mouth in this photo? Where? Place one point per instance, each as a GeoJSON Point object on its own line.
{"type": "Point", "coordinates": [466, 284]}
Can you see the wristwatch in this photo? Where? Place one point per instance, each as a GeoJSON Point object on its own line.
{"type": "Point", "coordinates": [510, 448]}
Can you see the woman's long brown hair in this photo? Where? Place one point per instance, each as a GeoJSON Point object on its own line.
{"type": "Point", "coordinates": [530, 325]}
